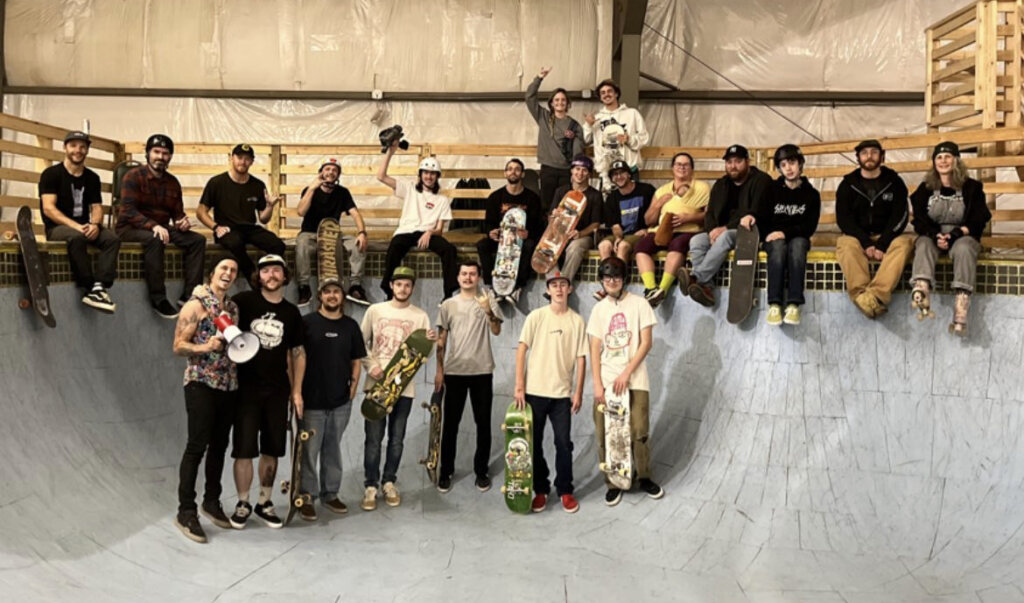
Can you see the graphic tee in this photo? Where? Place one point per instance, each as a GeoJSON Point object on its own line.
{"type": "Point", "coordinates": [331, 346]}
{"type": "Point", "coordinates": [74, 193]}
{"type": "Point", "coordinates": [628, 210]}
{"type": "Point", "coordinates": [279, 328]}
{"type": "Point", "coordinates": [618, 324]}
{"type": "Point", "coordinates": [384, 328]}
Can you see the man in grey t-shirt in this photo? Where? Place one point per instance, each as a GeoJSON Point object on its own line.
{"type": "Point", "coordinates": [465, 365]}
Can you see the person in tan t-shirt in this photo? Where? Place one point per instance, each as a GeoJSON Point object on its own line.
{"type": "Point", "coordinates": [556, 340]}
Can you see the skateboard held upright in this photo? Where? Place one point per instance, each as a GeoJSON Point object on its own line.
{"type": "Point", "coordinates": [293, 486]}
{"type": "Point", "coordinates": [518, 487]}
{"type": "Point", "coordinates": [744, 270]}
{"type": "Point", "coordinates": [380, 399]}
{"type": "Point", "coordinates": [556, 236]}
{"type": "Point", "coordinates": [618, 443]}
{"type": "Point", "coordinates": [510, 248]}
{"type": "Point", "coordinates": [35, 270]}
{"type": "Point", "coordinates": [433, 458]}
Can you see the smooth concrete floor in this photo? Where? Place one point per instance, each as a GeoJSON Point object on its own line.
{"type": "Point", "coordinates": [839, 461]}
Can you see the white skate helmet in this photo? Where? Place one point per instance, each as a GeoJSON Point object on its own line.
{"type": "Point", "coordinates": [430, 164]}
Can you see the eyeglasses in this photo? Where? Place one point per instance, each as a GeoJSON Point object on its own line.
{"type": "Point", "coordinates": [682, 165]}
{"type": "Point", "coordinates": [611, 278]}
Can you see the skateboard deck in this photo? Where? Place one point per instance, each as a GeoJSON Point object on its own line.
{"type": "Point", "coordinates": [618, 443]}
{"type": "Point", "coordinates": [293, 486]}
{"type": "Point", "coordinates": [329, 255]}
{"type": "Point", "coordinates": [518, 487]}
{"type": "Point", "coordinates": [433, 458]}
{"type": "Point", "coordinates": [744, 269]}
{"type": "Point", "coordinates": [510, 248]}
{"type": "Point", "coordinates": [556, 236]}
{"type": "Point", "coordinates": [663, 236]}
{"type": "Point", "coordinates": [35, 271]}
{"type": "Point", "coordinates": [381, 397]}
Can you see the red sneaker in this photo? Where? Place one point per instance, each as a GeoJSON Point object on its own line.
{"type": "Point", "coordinates": [570, 504]}
{"type": "Point", "coordinates": [539, 502]}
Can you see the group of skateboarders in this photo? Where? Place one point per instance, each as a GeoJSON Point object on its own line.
{"type": "Point", "coordinates": [313, 364]}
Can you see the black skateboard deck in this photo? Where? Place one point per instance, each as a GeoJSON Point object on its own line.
{"type": "Point", "coordinates": [35, 270]}
{"type": "Point", "coordinates": [293, 487]}
{"type": "Point", "coordinates": [741, 279]}
{"type": "Point", "coordinates": [432, 461]}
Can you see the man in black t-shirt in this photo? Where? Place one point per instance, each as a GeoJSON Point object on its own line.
{"type": "Point", "coordinates": [70, 202]}
{"type": "Point", "coordinates": [236, 197]}
{"type": "Point", "coordinates": [264, 383]}
{"type": "Point", "coordinates": [513, 194]}
{"type": "Point", "coordinates": [326, 198]}
{"type": "Point", "coordinates": [334, 346]}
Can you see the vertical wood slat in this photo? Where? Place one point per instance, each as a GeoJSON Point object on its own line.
{"type": "Point", "coordinates": [275, 187]}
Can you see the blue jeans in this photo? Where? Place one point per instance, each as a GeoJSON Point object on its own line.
{"type": "Point", "coordinates": [325, 443]}
{"type": "Point", "coordinates": [395, 424]}
{"type": "Point", "coordinates": [559, 410]}
{"type": "Point", "coordinates": [706, 257]}
{"type": "Point", "coordinates": [787, 256]}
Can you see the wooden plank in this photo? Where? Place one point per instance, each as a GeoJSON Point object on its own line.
{"type": "Point", "coordinates": [393, 213]}
{"type": "Point", "coordinates": [949, 93]}
{"type": "Point", "coordinates": [929, 85]}
{"type": "Point", "coordinates": [953, 21]}
{"type": "Point", "coordinates": [950, 116]}
{"type": "Point", "coordinates": [19, 175]}
{"type": "Point", "coordinates": [199, 148]}
{"type": "Point", "coordinates": [15, 201]}
{"type": "Point", "coordinates": [484, 150]}
{"type": "Point", "coordinates": [696, 152]}
{"type": "Point", "coordinates": [954, 68]}
{"type": "Point", "coordinates": [275, 187]}
{"type": "Point", "coordinates": [1004, 187]}
{"type": "Point", "coordinates": [28, 126]}
{"type": "Point", "coordinates": [1008, 215]}
{"type": "Point", "coordinates": [913, 141]}
{"type": "Point", "coordinates": [342, 150]}
{"type": "Point", "coordinates": [984, 90]}
{"type": "Point", "coordinates": [970, 123]}
{"type": "Point", "coordinates": [954, 45]}
{"type": "Point", "coordinates": [210, 169]}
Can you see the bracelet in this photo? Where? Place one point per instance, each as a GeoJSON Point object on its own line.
{"type": "Point", "coordinates": [362, 232]}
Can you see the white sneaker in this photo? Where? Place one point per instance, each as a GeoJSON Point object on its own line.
{"type": "Point", "coordinates": [369, 499]}
{"type": "Point", "coordinates": [391, 495]}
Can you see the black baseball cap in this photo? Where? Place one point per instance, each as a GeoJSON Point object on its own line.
{"type": "Point", "coordinates": [243, 149]}
{"type": "Point", "coordinates": [737, 150]}
{"type": "Point", "coordinates": [870, 143]}
{"type": "Point", "coordinates": [77, 135]}
{"type": "Point", "coordinates": [618, 164]}
{"type": "Point", "coordinates": [946, 147]}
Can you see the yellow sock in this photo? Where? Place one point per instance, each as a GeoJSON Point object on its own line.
{"type": "Point", "coordinates": [648, 279]}
{"type": "Point", "coordinates": [667, 280]}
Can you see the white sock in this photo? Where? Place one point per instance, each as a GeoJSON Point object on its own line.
{"type": "Point", "coordinates": [243, 497]}
{"type": "Point", "coordinates": [97, 286]}
{"type": "Point", "coordinates": [265, 493]}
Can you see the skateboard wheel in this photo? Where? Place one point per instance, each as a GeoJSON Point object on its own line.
{"type": "Point", "coordinates": [298, 502]}
{"type": "Point", "coordinates": [431, 465]}
{"type": "Point", "coordinates": [602, 466]}
{"type": "Point", "coordinates": [284, 487]}
{"type": "Point", "coordinates": [303, 436]}
{"type": "Point", "coordinates": [24, 304]}
{"type": "Point", "coordinates": [424, 405]}
{"type": "Point", "coordinates": [504, 427]}
{"type": "Point", "coordinates": [601, 407]}
{"type": "Point", "coordinates": [622, 411]}
{"type": "Point", "coordinates": [504, 489]}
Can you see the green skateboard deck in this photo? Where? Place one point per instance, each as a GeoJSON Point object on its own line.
{"type": "Point", "coordinates": [399, 372]}
{"type": "Point", "coordinates": [518, 430]}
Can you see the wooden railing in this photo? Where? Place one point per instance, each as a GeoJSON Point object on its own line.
{"type": "Point", "coordinates": [288, 168]}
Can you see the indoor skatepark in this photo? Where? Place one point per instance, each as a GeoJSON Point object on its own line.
{"type": "Point", "coordinates": [842, 460]}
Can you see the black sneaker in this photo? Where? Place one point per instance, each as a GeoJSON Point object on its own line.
{"type": "Point", "coordinates": [306, 512]}
{"type": "Point", "coordinates": [165, 309]}
{"type": "Point", "coordinates": [100, 300]}
{"type": "Point", "coordinates": [266, 512]}
{"type": "Point", "coordinates": [652, 489]}
{"type": "Point", "coordinates": [215, 513]}
{"type": "Point", "coordinates": [188, 523]}
{"type": "Point", "coordinates": [335, 505]}
{"type": "Point", "coordinates": [483, 483]}
{"type": "Point", "coordinates": [357, 294]}
{"type": "Point", "coordinates": [444, 484]}
{"type": "Point", "coordinates": [241, 515]}
{"type": "Point", "coordinates": [305, 294]}
{"type": "Point", "coordinates": [612, 497]}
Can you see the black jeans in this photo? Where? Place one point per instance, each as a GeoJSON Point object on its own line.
{"type": "Point", "coordinates": [787, 256]}
{"type": "Point", "coordinates": [400, 246]}
{"type": "Point", "coordinates": [559, 410]}
{"type": "Point", "coordinates": [210, 415]}
{"type": "Point", "coordinates": [78, 255]}
{"type": "Point", "coordinates": [251, 234]}
{"type": "Point", "coordinates": [193, 246]}
{"type": "Point", "coordinates": [550, 179]}
{"type": "Point", "coordinates": [481, 392]}
{"type": "Point", "coordinates": [487, 249]}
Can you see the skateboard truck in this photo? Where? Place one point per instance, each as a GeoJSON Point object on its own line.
{"type": "Point", "coordinates": [242, 346]}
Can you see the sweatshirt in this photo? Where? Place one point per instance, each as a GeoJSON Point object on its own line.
{"type": "Point", "coordinates": [976, 212]}
{"type": "Point", "coordinates": [794, 211]}
{"type": "Point", "coordinates": [723, 212]}
{"type": "Point", "coordinates": [865, 208]}
{"type": "Point", "coordinates": [553, 148]}
{"type": "Point", "coordinates": [605, 146]}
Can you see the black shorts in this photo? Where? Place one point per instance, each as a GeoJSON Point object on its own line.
{"type": "Point", "coordinates": [261, 423]}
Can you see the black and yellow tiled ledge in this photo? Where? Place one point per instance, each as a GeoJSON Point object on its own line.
{"type": "Point", "coordinates": [996, 275]}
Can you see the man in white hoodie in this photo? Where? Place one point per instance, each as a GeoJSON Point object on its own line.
{"type": "Point", "coordinates": [616, 131]}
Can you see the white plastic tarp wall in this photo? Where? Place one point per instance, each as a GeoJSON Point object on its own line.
{"type": "Point", "coordinates": [337, 45]}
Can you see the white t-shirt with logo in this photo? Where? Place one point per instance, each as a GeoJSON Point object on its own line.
{"type": "Point", "coordinates": [618, 324]}
{"type": "Point", "coordinates": [420, 211]}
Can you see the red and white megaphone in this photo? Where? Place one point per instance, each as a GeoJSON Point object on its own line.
{"type": "Point", "coordinates": [242, 346]}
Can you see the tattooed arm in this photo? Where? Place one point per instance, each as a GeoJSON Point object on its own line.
{"type": "Point", "coordinates": [296, 372]}
{"type": "Point", "coordinates": [188, 322]}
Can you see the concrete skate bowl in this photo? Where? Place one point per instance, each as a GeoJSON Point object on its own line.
{"type": "Point", "coordinates": [841, 460]}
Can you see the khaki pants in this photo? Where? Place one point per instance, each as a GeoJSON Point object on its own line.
{"type": "Point", "coordinates": [854, 263]}
{"type": "Point", "coordinates": [639, 432]}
